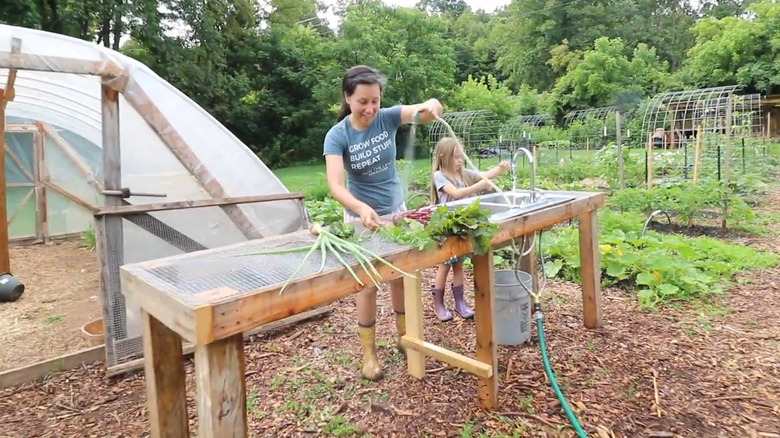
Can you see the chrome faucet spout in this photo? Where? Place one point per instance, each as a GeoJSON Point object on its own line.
{"type": "Point", "coordinates": [527, 154]}
{"type": "Point", "coordinates": [530, 157]}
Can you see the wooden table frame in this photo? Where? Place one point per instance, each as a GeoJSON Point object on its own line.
{"type": "Point", "coordinates": [217, 329]}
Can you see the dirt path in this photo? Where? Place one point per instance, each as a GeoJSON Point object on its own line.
{"type": "Point", "coordinates": [61, 294]}
{"type": "Point", "coordinates": [705, 370]}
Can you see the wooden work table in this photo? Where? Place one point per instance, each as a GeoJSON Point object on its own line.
{"type": "Point", "coordinates": [211, 297]}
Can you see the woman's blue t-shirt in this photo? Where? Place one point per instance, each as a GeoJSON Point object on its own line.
{"type": "Point", "coordinates": [369, 159]}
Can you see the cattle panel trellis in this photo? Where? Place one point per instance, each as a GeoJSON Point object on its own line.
{"type": "Point", "coordinates": [520, 129]}
{"type": "Point", "coordinates": [587, 130]}
{"type": "Point", "coordinates": [589, 113]}
{"type": "Point", "coordinates": [591, 128]}
{"type": "Point", "coordinates": [478, 132]}
{"type": "Point", "coordinates": [702, 133]}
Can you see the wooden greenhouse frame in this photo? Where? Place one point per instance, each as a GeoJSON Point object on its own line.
{"type": "Point", "coordinates": [108, 226]}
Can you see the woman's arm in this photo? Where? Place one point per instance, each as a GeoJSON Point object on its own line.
{"type": "Point", "coordinates": [428, 111]}
{"type": "Point", "coordinates": [334, 171]}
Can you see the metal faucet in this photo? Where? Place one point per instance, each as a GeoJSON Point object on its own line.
{"type": "Point", "coordinates": [514, 170]}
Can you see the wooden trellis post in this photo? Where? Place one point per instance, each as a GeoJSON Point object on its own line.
{"type": "Point", "coordinates": [619, 145]}
{"type": "Point", "coordinates": [649, 160]}
{"type": "Point", "coordinates": [697, 155]}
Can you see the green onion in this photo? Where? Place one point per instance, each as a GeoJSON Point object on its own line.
{"type": "Point", "coordinates": [329, 243]}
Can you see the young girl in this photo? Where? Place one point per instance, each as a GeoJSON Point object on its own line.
{"type": "Point", "coordinates": [452, 181]}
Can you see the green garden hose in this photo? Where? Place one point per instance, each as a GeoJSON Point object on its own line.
{"type": "Point", "coordinates": [548, 369]}
{"type": "Point", "coordinates": [543, 341]}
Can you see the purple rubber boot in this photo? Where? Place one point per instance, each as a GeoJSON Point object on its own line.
{"type": "Point", "coordinates": [438, 305]}
{"type": "Point", "coordinates": [463, 310]}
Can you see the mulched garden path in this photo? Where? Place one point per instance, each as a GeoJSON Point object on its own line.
{"type": "Point", "coordinates": [710, 369]}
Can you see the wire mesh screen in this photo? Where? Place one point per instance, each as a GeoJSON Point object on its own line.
{"type": "Point", "coordinates": [244, 268]}
{"type": "Point", "coordinates": [155, 235]}
{"type": "Point", "coordinates": [477, 130]}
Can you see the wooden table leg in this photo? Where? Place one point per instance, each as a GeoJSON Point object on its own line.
{"type": "Point", "coordinates": [486, 328]}
{"type": "Point", "coordinates": [221, 388]}
{"type": "Point", "coordinates": [590, 260]}
{"type": "Point", "coordinates": [165, 380]}
{"type": "Point", "coordinates": [414, 323]}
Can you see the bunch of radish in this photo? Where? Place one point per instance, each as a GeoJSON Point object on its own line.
{"type": "Point", "coordinates": [422, 215]}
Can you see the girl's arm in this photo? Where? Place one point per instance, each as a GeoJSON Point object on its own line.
{"type": "Point", "coordinates": [498, 170]}
{"type": "Point", "coordinates": [334, 170]}
{"type": "Point", "coordinates": [466, 192]}
{"type": "Point", "coordinates": [428, 111]}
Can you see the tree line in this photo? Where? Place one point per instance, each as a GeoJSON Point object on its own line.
{"type": "Point", "coordinates": [270, 70]}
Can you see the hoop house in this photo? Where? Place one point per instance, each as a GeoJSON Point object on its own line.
{"type": "Point", "coordinates": [103, 122]}
{"type": "Point", "coordinates": [478, 132]}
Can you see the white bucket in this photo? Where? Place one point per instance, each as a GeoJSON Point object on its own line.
{"type": "Point", "coordinates": [513, 307]}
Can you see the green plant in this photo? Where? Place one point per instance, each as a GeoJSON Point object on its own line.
{"type": "Point", "coordinates": [90, 240]}
{"type": "Point", "coordinates": [661, 268]}
{"type": "Point", "coordinates": [687, 199]}
{"type": "Point", "coordinates": [466, 222]}
{"type": "Point", "coordinates": [326, 211]}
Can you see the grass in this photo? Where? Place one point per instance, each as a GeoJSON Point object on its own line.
{"type": "Point", "coordinates": [311, 178]}
{"type": "Point", "coordinates": [303, 178]}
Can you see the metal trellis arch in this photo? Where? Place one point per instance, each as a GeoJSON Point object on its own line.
{"type": "Point", "coordinates": [477, 131]}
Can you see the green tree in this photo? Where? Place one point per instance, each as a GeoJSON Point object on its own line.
{"type": "Point", "coordinates": [597, 77]}
{"type": "Point", "coordinates": [738, 51]}
{"type": "Point", "coordinates": [405, 44]}
{"type": "Point", "coordinates": [529, 30]}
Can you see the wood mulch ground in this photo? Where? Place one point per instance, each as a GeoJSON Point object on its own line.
{"type": "Point", "coordinates": [710, 369]}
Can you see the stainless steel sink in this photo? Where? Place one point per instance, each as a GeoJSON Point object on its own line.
{"type": "Point", "coordinates": [494, 208]}
{"type": "Point", "coordinates": [507, 205]}
{"type": "Point", "coordinates": [517, 199]}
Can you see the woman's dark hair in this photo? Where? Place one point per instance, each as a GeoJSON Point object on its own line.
{"type": "Point", "coordinates": [357, 75]}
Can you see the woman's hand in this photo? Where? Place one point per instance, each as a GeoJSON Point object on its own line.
{"type": "Point", "coordinates": [431, 108]}
{"type": "Point", "coordinates": [504, 166]}
{"type": "Point", "coordinates": [369, 218]}
{"type": "Point", "coordinates": [425, 112]}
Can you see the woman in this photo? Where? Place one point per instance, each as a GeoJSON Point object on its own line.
{"type": "Point", "coordinates": [362, 143]}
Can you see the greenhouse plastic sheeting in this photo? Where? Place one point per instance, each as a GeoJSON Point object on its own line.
{"type": "Point", "coordinates": [72, 103]}
{"type": "Point", "coordinates": [19, 174]}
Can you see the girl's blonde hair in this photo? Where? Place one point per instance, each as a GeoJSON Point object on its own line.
{"type": "Point", "coordinates": [444, 161]}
